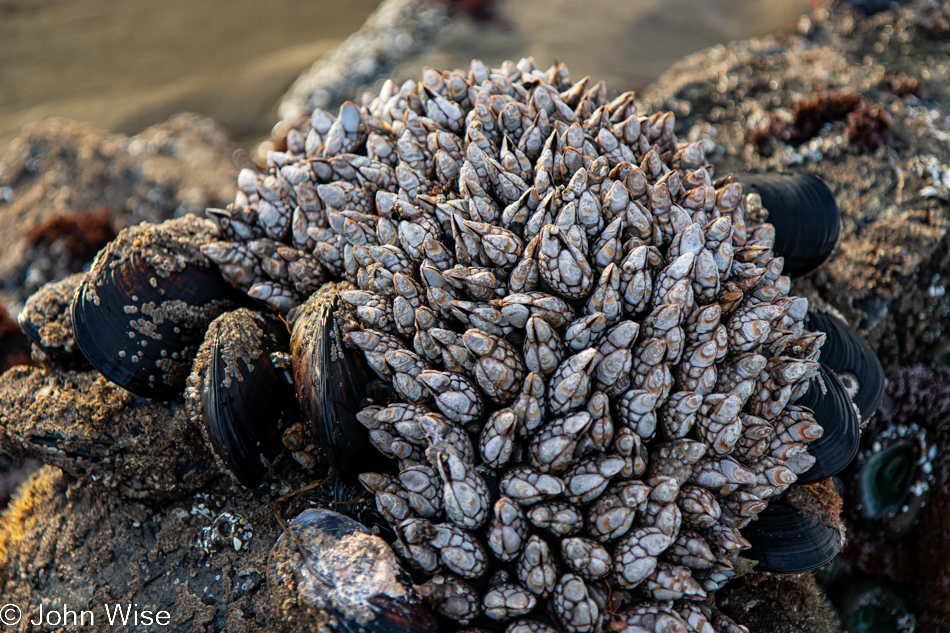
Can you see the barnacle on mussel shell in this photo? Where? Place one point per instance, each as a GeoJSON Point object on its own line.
{"type": "Point", "coordinates": [329, 573]}
{"type": "Point", "coordinates": [46, 318]}
{"type": "Point", "coordinates": [143, 309]}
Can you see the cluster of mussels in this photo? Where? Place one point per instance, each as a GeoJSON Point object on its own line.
{"type": "Point", "coordinates": [573, 347]}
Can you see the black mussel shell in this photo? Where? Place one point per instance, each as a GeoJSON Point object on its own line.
{"type": "Point", "coordinates": [47, 319]}
{"type": "Point", "coordinates": [333, 382]}
{"type": "Point", "coordinates": [833, 410]}
{"type": "Point", "coordinates": [805, 215]}
{"type": "Point", "coordinates": [328, 568]}
{"type": "Point", "coordinates": [241, 393]}
{"type": "Point", "coordinates": [786, 541]}
{"type": "Point", "coordinates": [143, 309]}
{"type": "Point", "coordinates": [851, 358]}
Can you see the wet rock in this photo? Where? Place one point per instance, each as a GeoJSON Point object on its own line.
{"type": "Point", "coordinates": [67, 188]}
{"type": "Point", "coordinates": [62, 541]}
{"type": "Point", "coordinates": [90, 428]}
{"type": "Point", "coordinates": [769, 603]}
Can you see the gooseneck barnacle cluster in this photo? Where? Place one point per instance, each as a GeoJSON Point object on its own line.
{"type": "Point", "coordinates": [553, 344]}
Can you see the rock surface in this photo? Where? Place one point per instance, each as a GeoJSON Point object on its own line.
{"type": "Point", "coordinates": [768, 603]}
{"type": "Point", "coordinates": [84, 424]}
{"type": "Point", "coordinates": [63, 541]}
{"type": "Point", "coordinates": [66, 189]}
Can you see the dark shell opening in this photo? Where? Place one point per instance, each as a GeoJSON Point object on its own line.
{"type": "Point", "coordinates": [833, 410]}
{"type": "Point", "coordinates": [805, 215]}
{"type": "Point", "coordinates": [784, 541]}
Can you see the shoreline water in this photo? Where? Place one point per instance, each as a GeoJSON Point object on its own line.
{"type": "Point", "coordinates": [124, 66]}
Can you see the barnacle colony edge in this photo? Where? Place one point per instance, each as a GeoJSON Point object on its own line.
{"type": "Point", "coordinates": [571, 344]}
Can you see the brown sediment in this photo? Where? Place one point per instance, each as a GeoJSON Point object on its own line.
{"type": "Point", "coordinates": [63, 541]}
{"type": "Point", "coordinates": [479, 10]}
{"type": "Point", "coordinates": [46, 317]}
{"type": "Point", "coordinates": [768, 603]}
{"type": "Point", "coordinates": [91, 428]}
{"type": "Point", "coordinates": [902, 85]}
{"type": "Point", "coordinates": [867, 126]}
{"type": "Point", "coordinates": [78, 236]}
{"type": "Point", "coordinates": [167, 248]}
{"type": "Point", "coordinates": [935, 27]}
{"type": "Point", "coordinates": [819, 502]}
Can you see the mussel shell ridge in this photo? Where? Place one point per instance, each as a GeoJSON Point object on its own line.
{"type": "Point", "coordinates": [333, 383]}
{"type": "Point", "coordinates": [143, 309]}
{"type": "Point", "coordinates": [805, 215]}
{"type": "Point", "coordinates": [846, 352]}
{"type": "Point", "coordinates": [784, 541]}
{"type": "Point", "coordinates": [242, 399]}
{"type": "Point", "coordinates": [833, 410]}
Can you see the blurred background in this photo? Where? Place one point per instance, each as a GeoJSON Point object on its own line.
{"type": "Point", "coordinates": [126, 64]}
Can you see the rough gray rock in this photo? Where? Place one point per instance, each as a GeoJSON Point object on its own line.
{"type": "Point", "coordinates": [63, 541]}
{"type": "Point", "coordinates": [395, 31]}
{"type": "Point", "coordinates": [66, 189]}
